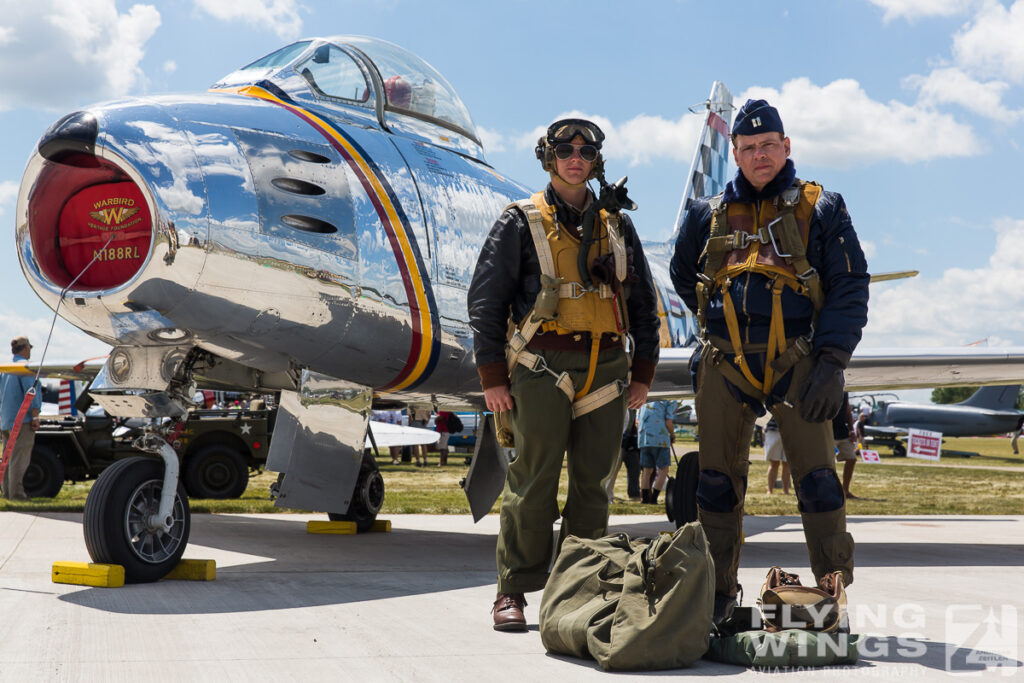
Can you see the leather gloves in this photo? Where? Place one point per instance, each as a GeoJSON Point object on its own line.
{"type": "Point", "coordinates": [822, 393]}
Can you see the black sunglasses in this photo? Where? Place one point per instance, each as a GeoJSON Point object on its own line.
{"type": "Point", "coordinates": [564, 151]}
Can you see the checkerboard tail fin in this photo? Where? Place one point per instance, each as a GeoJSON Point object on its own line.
{"type": "Point", "coordinates": [707, 174]}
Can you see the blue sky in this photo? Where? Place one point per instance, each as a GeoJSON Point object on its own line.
{"type": "Point", "coordinates": [912, 109]}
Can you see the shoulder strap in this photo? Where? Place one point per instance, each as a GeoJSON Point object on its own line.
{"type": "Point", "coordinates": [719, 229]}
{"type": "Point", "coordinates": [790, 245]}
{"type": "Point", "coordinates": [540, 238]}
{"type": "Point", "coordinates": [617, 243]}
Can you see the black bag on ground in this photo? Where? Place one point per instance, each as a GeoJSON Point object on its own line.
{"type": "Point", "coordinates": [631, 605]}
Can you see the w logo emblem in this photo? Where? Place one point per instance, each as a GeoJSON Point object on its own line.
{"type": "Point", "coordinates": [115, 215]}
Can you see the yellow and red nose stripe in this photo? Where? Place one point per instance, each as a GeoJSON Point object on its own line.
{"type": "Point", "coordinates": [425, 346]}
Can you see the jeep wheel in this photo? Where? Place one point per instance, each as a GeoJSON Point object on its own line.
{"type": "Point", "coordinates": [216, 471]}
{"type": "Point", "coordinates": [118, 525]}
{"type": "Point", "coordinates": [45, 474]}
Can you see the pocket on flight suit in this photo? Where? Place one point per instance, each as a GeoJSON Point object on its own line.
{"type": "Point", "coordinates": [838, 549]}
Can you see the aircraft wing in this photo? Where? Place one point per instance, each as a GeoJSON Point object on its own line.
{"type": "Point", "coordinates": [895, 275]}
{"type": "Point", "coordinates": [388, 435]}
{"type": "Point", "coordinates": [882, 368]}
{"type": "Point", "coordinates": [887, 432]}
{"type": "Point", "coordinates": [81, 370]}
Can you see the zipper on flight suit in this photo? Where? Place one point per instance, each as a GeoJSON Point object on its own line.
{"type": "Point", "coordinates": [842, 242]}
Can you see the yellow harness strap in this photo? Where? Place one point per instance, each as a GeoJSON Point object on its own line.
{"type": "Point", "coordinates": [777, 345]}
{"type": "Point", "coordinates": [776, 335]}
{"type": "Point", "coordinates": [595, 345]}
{"type": "Point", "coordinates": [734, 335]}
{"type": "Point", "coordinates": [516, 352]}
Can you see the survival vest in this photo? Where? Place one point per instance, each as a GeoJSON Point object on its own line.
{"type": "Point", "coordinates": [564, 305]}
{"type": "Point", "coordinates": [769, 238]}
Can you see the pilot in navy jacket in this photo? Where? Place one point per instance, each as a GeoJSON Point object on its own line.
{"type": "Point", "coordinates": [832, 249]}
{"type": "Point", "coordinates": [763, 347]}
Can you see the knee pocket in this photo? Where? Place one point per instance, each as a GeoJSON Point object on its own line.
{"type": "Point", "coordinates": [715, 492]}
{"type": "Point", "coordinates": [820, 491]}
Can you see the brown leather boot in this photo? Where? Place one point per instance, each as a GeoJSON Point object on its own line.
{"type": "Point", "coordinates": [508, 612]}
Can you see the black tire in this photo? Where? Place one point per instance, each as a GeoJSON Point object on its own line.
{"type": "Point", "coordinates": [681, 492]}
{"type": "Point", "coordinates": [366, 499]}
{"type": "Point", "coordinates": [116, 529]}
{"type": "Point", "coordinates": [44, 477]}
{"type": "Point", "coordinates": [899, 450]}
{"type": "Point", "coordinates": [216, 471]}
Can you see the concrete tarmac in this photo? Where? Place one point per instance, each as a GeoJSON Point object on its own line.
{"type": "Point", "coordinates": [933, 597]}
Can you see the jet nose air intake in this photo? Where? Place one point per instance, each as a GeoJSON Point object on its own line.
{"type": "Point", "coordinates": [83, 207]}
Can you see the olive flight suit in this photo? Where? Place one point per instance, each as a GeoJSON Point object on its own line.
{"type": "Point", "coordinates": [764, 317]}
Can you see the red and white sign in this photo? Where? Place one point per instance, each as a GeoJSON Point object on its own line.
{"type": "Point", "coordinates": [924, 445]}
{"type": "Point", "coordinates": [869, 456]}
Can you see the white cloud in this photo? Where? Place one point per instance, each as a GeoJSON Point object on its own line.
{"type": "Point", "coordinates": [916, 9]}
{"type": "Point", "coordinates": [170, 66]}
{"type": "Point", "coordinates": [950, 85]}
{"type": "Point", "coordinates": [869, 248]}
{"type": "Point", "coordinates": [58, 53]}
{"type": "Point", "coordinates": [839, 125]}
{"type": "Point", "coordinates": [958, 307]}
{"type": "Point", "coordinates": [991, 43]}
{"type": "Point", "coordinates": [8, 195]}
{"type": "Point", "coordinates": [67, 344]}
{"type": "Point", "coordinates": [640, 140]}
{"type": "Point", "coordinates": [280, 16]}
{"type": "Point", "coordinates": [493, 141]}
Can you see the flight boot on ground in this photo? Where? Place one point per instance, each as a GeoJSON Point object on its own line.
{"type": "Point", "coordinates": [508, 612]}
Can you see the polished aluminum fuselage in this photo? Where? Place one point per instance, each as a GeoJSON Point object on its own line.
{"type": "Point", "coordinates": [379, 301]}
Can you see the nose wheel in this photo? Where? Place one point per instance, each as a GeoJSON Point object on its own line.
{"type": "Point", "coordinates": [121, 525]}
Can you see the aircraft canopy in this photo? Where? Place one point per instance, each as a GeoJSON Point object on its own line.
{"type": "Point", "coordinates": [337, 68]}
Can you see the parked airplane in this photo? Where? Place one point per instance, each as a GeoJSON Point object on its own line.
{"type": "Point", "coordinates": [307, 226]}
{"type": "Point", "coordinates": [990, 410]}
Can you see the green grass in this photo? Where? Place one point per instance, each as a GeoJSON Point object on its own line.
{"type": "Point", "coordinates": [900, 487]}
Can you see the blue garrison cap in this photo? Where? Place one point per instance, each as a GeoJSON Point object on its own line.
{"type": "Point", "coordinates": [757, 116]}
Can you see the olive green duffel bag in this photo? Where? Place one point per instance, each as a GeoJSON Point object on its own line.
{"type": "Point", "coordinates": [787, 648]}
{"type": "Point", "coordinates": [742, 640]}
{"type": "Point", "coordinates": [631, 605]}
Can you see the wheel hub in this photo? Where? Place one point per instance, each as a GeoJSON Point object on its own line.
{"type": "Point", "coordinates": [371, 491]}
{"type": "Point", "coordinates": [144, 530]}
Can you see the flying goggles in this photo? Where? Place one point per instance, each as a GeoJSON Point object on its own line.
{"type": "Point", "coordinates": [567, 129]}
{"type": "Point", "coordinates": [557, 143]}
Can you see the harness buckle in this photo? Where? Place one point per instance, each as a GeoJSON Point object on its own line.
{"type": "Point", "coordinates": [628, 344]}
{"type": "Point", "coordinates": [538, 364]}
{"type": "Point", "coordinates": [517, 342]}
{"type": "Point", "coordinates": [578, 290]}
{"type": "Point", "coordinates": [807, 274]}
{"type": "Point", "coordinates": [804, 345]}
{"type": "Point", "coordinates": [775, 244]}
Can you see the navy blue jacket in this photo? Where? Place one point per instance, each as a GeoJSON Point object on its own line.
{"type": "Point", "coordinates": [832, 249]}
